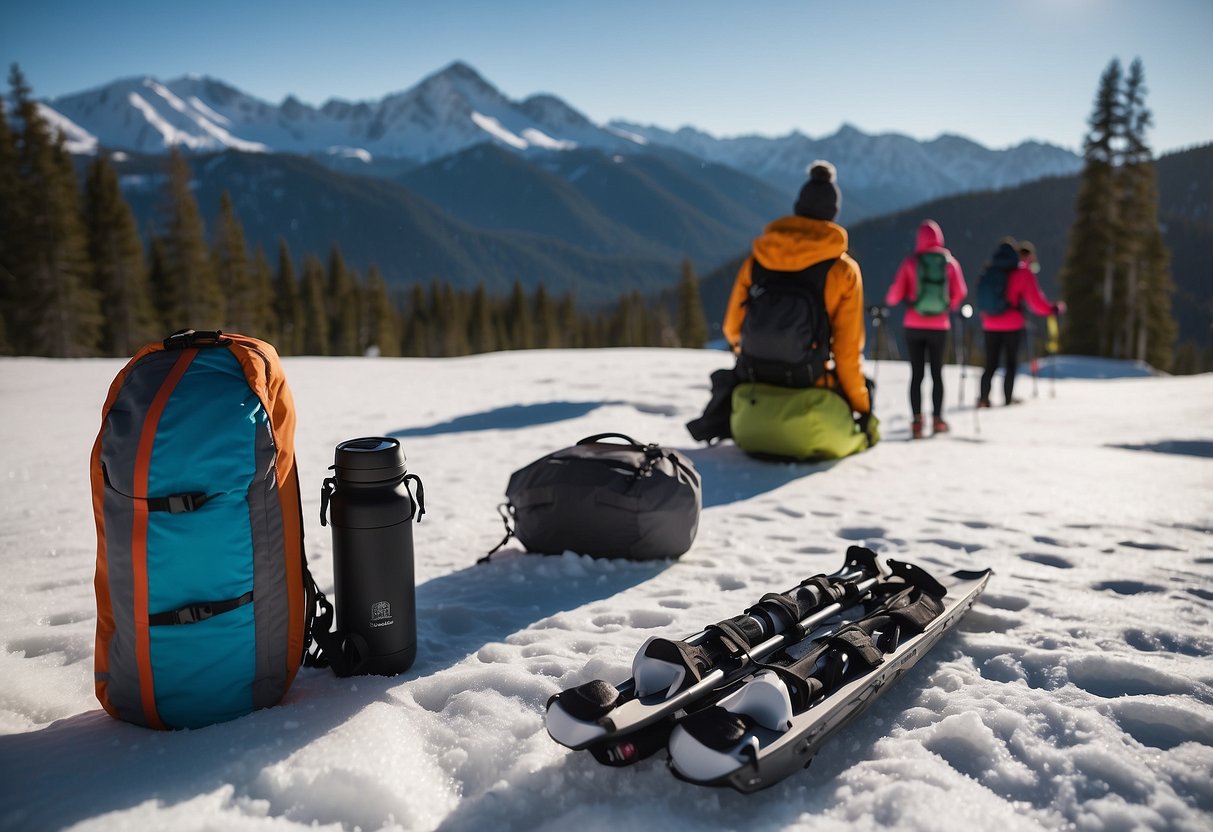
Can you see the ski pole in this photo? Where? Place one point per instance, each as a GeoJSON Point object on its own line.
{"type": "Point", "coordinates": [1030, 332]}
{"type": "Point", "coordinates": [1052, 346]}
{"type": "Point", "coordinates": [874, 312]}
{"type": "Point", "coordinates": [962, 346]}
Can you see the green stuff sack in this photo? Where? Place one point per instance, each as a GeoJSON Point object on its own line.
{"type": "Point", "coordinates": [794, 423]}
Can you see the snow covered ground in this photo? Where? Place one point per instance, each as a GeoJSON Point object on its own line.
{"type": "Point", "coordinates": [1077, 694]}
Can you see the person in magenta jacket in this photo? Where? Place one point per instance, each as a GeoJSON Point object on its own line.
{"type": "Point", "coordinates": [927, 334]}
{"type": "Point", "coordinates": [1004, 330]}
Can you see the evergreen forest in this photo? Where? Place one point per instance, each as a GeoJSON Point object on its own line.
{"type": "Point", "coordinates": [80, 277]}
{"type": "Point", "coordinates": [76, 278]}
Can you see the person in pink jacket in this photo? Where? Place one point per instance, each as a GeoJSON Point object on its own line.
{"type": "Point", "coordinates": [1004, 328]}
{"type": "Point", "coordinates": [932, 284]}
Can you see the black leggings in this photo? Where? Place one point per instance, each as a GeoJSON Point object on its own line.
{"type": "Point", "coordinates": [999, 344]}
{"type": "Point", "coordinates": [920, 343]}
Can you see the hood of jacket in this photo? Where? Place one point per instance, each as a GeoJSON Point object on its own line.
{"type": "Point", "coordinates": [790, 244]}
{"type": "Point", "coordinates": [930, 236]}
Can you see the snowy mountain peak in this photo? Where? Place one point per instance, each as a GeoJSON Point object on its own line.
{"type": "Point", "coordinates": [456, 108]}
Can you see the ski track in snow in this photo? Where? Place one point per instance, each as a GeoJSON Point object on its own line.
{"type": "Point", "coordinates": [1078, 693]}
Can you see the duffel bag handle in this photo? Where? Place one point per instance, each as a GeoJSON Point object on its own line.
{"type": "Point", "coordinates": [589, 440]}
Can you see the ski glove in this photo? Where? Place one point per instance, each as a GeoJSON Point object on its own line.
{"type": "Point", "coordinates": [870, 426]}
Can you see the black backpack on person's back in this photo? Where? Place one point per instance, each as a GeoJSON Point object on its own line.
{"type": "Point", "coordinates": [785, 336]}
{"type": "Point", "coordinates": [992, 285]}
{"type": "Point", "coordinates": [605, 499]}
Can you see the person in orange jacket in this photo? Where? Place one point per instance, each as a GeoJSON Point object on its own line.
{"type": "Point", "coordinates": [793, 244]}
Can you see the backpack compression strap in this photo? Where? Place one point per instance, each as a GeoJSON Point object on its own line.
{"type": "Point", "coordinates": [193, 613]}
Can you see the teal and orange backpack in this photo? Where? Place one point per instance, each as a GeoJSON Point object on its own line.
{"type": "Point", "coordinates": [204, 601]}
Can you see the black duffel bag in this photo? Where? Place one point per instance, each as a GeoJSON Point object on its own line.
{"type": "Point", "coordinates": [605, 499]}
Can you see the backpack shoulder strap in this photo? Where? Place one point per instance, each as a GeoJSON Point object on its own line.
{"type": "Point", "coordinates": [816, 273]}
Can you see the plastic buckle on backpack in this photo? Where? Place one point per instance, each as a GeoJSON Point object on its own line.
{"type": "Point", "coordinates": [192, 615]}
{"type": "Point", "coordinates": [181, 503]}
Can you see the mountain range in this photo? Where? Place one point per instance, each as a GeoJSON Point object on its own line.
{"type": "Point", "coordinates": [456, 108]}
{"type": "Point", "coordinates": [451, 179]}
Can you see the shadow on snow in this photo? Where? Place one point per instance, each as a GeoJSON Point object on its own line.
{"type": "Point", "coordinates": [729, 475]}
{"type": "Point", "coordinates": [1185, 447]}
{"type": "Point", "coordinates": [517, 416]}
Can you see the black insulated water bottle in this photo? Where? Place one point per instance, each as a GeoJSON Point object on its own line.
{"type": "Point", "coordinates": [370, 508]}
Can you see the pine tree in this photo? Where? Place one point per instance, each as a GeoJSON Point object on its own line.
{"type": "Point", "coordinates": [416, 330]}
{"type": "Point", "coordinates": [520, 332]}
{"type": "Point", "coordinates": [692, 325]}
{"type": "Point", "coordinates": [1148, 331]}
{"type": "Point", "coordinates": [229, 260]}
{"type": "Point", "coordinates": [629, 324]}
{"type": "Point", "coordinates": [315, 312]}
{"type": "Point", "coordinates": [449, 310]}
{"type": "Point", "coordinates": [288, 307]}
{"type": "Point", "coordinates": [482, 333]}
{"type": "Point", "coordinates": [57, 312]}
{"type": "Point", "coordinates": [116, 254]}
{"type": "Point", "coordinates": [547, 329]}
{"type": "Point", "coordinates": [572, 325]}
{"type": "Point", "coordinates": [1116, 277]}
{"type": "Point", "coordinates": [10, 185]}
{"type": "Point", "coordinates": [265, 315]}
{"type": "Point", "coordinates": [343, 306]}
{"type": "Point", "coordinates": [159, 286]}
{"type": "Point", "coordinates": [1087, 274]}
{"type": "Point", "coordinates": [384, 328]}
{"type": "Point", "coordinates": [191, 292]}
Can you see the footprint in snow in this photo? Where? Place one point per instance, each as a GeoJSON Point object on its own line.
{"type": "Point", "coordinates": [861, 533]}
{"type": "Point", "coordinates": [978, 621]}
{"type": "Point", "coordinates": [74, 650]}
{"type": "Point", "coordinates": [1162, 641]}
{"type": "Point", "coordinates": [51, 586]}
{"type": "Point", "coordinates": [675, 603]}
{"type": "Point", "coordinates": [1052, 541]}
{"type": "Point", "coordinates": [1010, 603]}
{"type": "Point", "coordinates": [649, 619]}
{"type": "Point", "coordinates": [1127, 587]}
{"type": "Point", "coordinates": [1047, 560]}
{"type": "Point", "coordinates": [612, 620]}
{"type": "Point", "coordinates": [1109, 677]}
{"type": "Point", "coordinates": [1150, 547]}
{"type": "Point", "coordinates": [954, 544]}
{"type": "Point", "coordinates": [1162, 725]}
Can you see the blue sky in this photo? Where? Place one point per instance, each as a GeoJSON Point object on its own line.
{"type": "Point", "coordinates": [997, 71]}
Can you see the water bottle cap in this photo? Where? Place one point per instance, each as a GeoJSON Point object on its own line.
{"type": "Point", "coordinates": [369, 459]}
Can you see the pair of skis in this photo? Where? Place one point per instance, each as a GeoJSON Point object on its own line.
{"type": "Point", "coordinates": [749, 700]}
